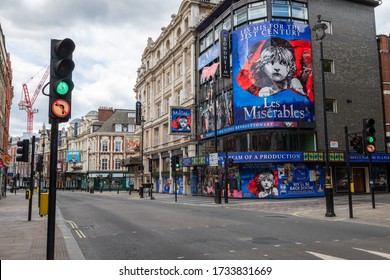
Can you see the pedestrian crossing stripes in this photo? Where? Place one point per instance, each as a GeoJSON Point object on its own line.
{"type": "Point", "coordinates": [329, 257]}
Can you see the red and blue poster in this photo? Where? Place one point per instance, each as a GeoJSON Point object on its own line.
{"type": "Point", "coordinates": [282, 180]}
{"type": "Point", "coordinates": [180, 120]}
{"type": "Point", "coordinates": [272, 75]}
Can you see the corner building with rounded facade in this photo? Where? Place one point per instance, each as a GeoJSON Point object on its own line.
{"type": "Point", "coordinates": [259, 85]}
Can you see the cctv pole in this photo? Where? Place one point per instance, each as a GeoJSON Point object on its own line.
{"type": "Point", "coordinates": [31, 178]}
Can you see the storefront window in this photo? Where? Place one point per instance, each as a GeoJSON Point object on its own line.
{"type": "Point", "coordinates": [380, 177]}
{"type": "Point", "coordinates": [341, 179]}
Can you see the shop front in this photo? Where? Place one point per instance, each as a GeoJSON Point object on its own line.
{"type": "Point", "coordinates": [267, 175]}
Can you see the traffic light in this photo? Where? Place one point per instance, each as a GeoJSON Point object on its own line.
{"type": "Point", "coordinates": [61, 84]}
{"type": "Point", "coordinates": [22, 150]}
{"type": "Point", "coordinates": [369, 135]}
{"type": "Point", "coordinates": [150, 165]}
{"type": "Point", "coordinates": [40, 163]}
{"type": "Point", "coordinates": [177, 163]}
{"type": "Point", "coordinates": [173, 163]}
{"type": "Point", "coordinates": [231, 162]}
{"type": "Point", "coordinates": [357, 144]}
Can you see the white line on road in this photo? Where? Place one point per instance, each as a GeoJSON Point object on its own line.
{"type": "Point", "coordinates": [323, 256]}
{"type": "Point", "coordinates": [384, 255]}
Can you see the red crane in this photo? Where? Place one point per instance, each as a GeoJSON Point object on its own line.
{"type": "Point", "coordinates": [27, 103]}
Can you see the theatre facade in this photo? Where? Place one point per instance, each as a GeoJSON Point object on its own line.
{"type": "Point", "coordinates": [261, 98]}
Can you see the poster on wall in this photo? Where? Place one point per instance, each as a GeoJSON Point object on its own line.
{"type": "Point", "coordinates": [180, 120]}
{"type": "Point", "coordinates": [73, 156]}
{"type": "Point", "coordinates": [272, 75]}
{"type": "Point", "coordinates": [285, 180]}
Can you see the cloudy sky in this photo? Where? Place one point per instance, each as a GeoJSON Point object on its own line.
{"type": "Point", "coordinates": [110, 36]}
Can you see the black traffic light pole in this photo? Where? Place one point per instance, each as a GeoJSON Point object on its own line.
{"type": "Point", "coordinates": [51, 221]}
{"type": "Point", "coordinates": [369, 148]}
{"type": "Point", "coordinates": [371, 181]}
{"type": "Point", "coordinates": [348, 172]}
{"type": "Point", "coordinates": [226, 177]}
{"type": "Point", "coordinates": [31, 178]}
{"type": "Point", "coordinates": [60, 98]}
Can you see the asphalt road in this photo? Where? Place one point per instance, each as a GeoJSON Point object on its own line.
{"type": "Point", "coordinates": [116, 228]}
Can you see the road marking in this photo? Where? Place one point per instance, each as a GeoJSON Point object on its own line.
{"type": "Point", "coordinates": [76, 229]}
{"type": "Point", "coordinates": [323, 256]}
{"type": "Point", "coordinates": [384, 255]}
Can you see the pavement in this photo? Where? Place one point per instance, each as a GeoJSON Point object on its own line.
{"type": "Point", "coordinates": [21, 239]}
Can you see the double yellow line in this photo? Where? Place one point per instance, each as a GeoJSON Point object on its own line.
{"type": "Point", "coordinates": [76, 229]}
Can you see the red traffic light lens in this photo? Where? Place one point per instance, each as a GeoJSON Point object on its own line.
{"type": "Point", "coordinates": [65, 47]}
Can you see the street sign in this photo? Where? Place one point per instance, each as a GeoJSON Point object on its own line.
{"type": "Point", "coordinates": [60, 108]}
{"type": "Point", "coordinates": [213, 159]}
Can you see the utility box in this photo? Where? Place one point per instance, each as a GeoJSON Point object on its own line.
{"type": "Point", "coordinates": [44, 207]}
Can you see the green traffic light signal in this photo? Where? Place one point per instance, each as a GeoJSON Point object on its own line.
{"type": "Point", "coordinates": [371, 139]}
{"type": "Point", "coordinates": [62, 87]}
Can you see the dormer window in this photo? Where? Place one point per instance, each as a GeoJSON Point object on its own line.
{"type": "Point", "coordinates": [118, 127]}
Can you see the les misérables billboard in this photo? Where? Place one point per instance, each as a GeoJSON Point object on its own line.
{"type": "Point", "coordinates": [272, 75]}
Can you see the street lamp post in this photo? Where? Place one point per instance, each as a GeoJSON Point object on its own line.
{"type": "Point", "coordinates": [319, 29]}
{"type": "Point", "coordinates": [87, 188]}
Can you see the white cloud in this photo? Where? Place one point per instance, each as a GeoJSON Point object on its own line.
{"type": "Point", "coordinates": [110, 37]}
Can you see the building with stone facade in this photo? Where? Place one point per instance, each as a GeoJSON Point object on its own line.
{"type": "Point", "coordinates": [166, 80]}
{"type": "Point", "coordinates": [92, 149]}
{"type": "Point", "coordinates": [260, 126]}
{"type": "Point", "coordinates": [6, 96]}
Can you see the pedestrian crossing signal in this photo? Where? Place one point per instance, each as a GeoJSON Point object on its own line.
{"type": "Point", "coordinates": [357, 144]}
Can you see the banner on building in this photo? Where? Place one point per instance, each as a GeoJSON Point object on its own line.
{"type": "Point", "coordinates": [73, 156]}
{"type": "Point", "coordinates": [181, 120]}
{"type": "Point", "coordinates": [224, 58]}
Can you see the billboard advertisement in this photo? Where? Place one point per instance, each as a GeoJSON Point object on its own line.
{"type": "Point", "coordinates": [272, 75]}
{"type": "Point", "coordinates": [73, 156]}
{"type": "Point", "coordinates": [284, 180]}
{"type": "Point", "coordinates": [180, 120]}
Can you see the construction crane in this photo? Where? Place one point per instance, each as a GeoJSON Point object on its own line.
{"type": "Point", "coordinates": [27, 103]}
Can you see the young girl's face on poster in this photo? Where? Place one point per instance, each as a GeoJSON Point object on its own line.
{"type": "Point", "coordinates": [276, 70]}
{"type": "Point", "coordinates": [183, 122]}
{"type": "Point", "coordinates": [266, 180]}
